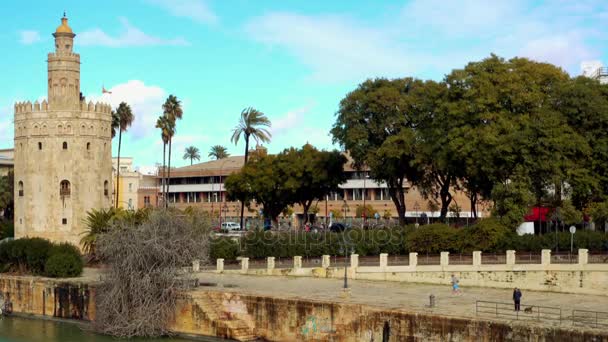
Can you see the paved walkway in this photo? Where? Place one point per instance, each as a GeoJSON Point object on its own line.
{"type": "Point", "coordinates": [402, 296]}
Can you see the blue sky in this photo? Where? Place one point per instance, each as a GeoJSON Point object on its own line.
{"type": "Point", "coordinates": [293, 60]}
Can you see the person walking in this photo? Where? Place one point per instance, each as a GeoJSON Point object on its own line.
{"type": "Point", "coordinates": [455, 286]}
{"type": "Point", "coordinates": [517, 298]}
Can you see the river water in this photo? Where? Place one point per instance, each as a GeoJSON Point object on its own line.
{"type": "Point", "coordinates": [16, 329]}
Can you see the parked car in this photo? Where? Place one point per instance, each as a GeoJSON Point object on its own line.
{"type": "Point", "coordinates": [337, 227]}
{"type": "Point", "coordinates": [229, 226]}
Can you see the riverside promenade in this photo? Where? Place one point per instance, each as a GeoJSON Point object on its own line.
{"type": "Point", "coordinates": [412, 297]}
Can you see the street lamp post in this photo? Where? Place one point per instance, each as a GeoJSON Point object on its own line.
{"type": "Point", "coordinates": [365, 176]}
{"type": "Point", "coordinates": [345, 207]}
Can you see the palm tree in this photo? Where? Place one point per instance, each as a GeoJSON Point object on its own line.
{"type": "Point", "coordinates": [172, 109]}
{"type": "Point", "coordinates": [97, 222]}
{"type": "Point", "coordinates": [253, 123]}
{"type": "Point", "coordinates": [125, 119]}
{"type": "Point", "coordinates": [165, 128]}
{"type": "Point", "coordinates": [218, 152]}
{"type": "Point", "coordinates": [192, 153]}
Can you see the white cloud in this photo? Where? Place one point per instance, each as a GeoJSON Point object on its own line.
{"type": "Point", "coordinates": [564, 50]}
{"type": "Point", "coordinates": [291, 119]}
{"type": "Point", "coordinates": [145, 101]}
{"type": "Point", "coordinates": [130, 36]}
{"type": "Point", "coordinates": [435, 36]}
{"type": "Point", "coordinates": [197, 10]}
{"type": "Point", "coordinates": [334, 47]}
{"type": "Point", "coordinates": [27, 37]}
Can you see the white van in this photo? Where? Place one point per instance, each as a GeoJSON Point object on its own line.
{"type": "Point", "coordinates": [230, 226]}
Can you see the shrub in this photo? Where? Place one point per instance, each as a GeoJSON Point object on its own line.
{"type": "Point", "coordinates": [7, 229]}
{"type": "Point", "coordinates": [63, 265]}
{"type": "Point", "coordinates": [485, 236]}
{"type": "Point", "coordinates": [433, 238]}
{"type": "Point", "coordinates": [224, 248]}
{"type": "Point", "coordinates": [30, 255]}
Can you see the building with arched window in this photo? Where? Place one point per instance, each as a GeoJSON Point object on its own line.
{"type": "Point", "coordinates": [61, 173]}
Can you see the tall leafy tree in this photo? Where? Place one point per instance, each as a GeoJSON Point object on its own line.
{"type": "Point", "coordinates": [252, 124]}
{"type": "Point", "coordinates": [165, 131]}
{"type": "Point", "coordinates": [264, 180]}
{"type": "Point", "coordinates": [218, 152]}
{"type": "Point", "coordinates": [312, 174]}
{"type": "Point", "coordinates": [125, 119]}
{"type": "Point", "coordinates": [172, 109]}
{"type": "Point", "coordinates": [375, 124]}
{"type": "Point", "coordinates": [192, 153]}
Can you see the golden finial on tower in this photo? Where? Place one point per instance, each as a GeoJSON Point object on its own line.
{"type": "Point", "coordinates": [64, 27]}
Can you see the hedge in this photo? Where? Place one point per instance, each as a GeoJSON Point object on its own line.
{"type": "Point", "coordinates": [487, 235]}
{"type": "Point", "coordinates": [38, 256]}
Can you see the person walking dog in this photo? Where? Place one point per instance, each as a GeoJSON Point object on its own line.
{"type": "Point", "coordinates": [517, 298]}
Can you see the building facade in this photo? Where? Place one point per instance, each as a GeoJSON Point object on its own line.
{"type": "Point", "coordinates": [7, 161]}
{"type": "Point", "coordinates": [62, 152]}
{"type": "Point", "coordinates": [202, 186]}
{"type": "Point", "coordinates": [128, 181]}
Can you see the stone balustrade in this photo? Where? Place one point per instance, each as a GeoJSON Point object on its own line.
{"type": "Point", "coordinates": [571, 275]}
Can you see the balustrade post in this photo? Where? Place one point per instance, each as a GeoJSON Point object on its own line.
{"type": "Point", "coordinates": [244, 265]}
{"type": "Point", "coordinates": [383, 260]}
{"type": "Point", "coordinates": [325, 262]}
{"type": "Point", "coordinates": [413, 259]}
{"type": "Point", "coordinates": [270, 263]}
{"type": "Point", "coordinates": [196, 266]}
{"type": "Point", "coordinates": [510, 257]}
{"type": "Point", "coordinates": [477, 258]}
{"type": "Point", "coordinates": [219, 265]}
{"type": "Point", "coordinates": [583, 256]}
{"type": "Point", "coordinates": [297, 262]}
{"type": "Point", "coordinates": [545, 258]}
{"type": "Point", "coordinates": [444, 259]}
{"type": "Point", "coordinates": [354, 260]}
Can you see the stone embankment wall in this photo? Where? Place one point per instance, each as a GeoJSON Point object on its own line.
{"type": "Point", "coordinates": [46, 297]}
{"type": "Point", "coordinates": [250, 317]}
{"type": "Point", "coordinates": [246, 317]}
{"type": "Point", "coordinates": [581, 277]}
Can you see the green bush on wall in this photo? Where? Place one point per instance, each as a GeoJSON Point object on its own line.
{"type": "Point", "coordinates": [32, 256]}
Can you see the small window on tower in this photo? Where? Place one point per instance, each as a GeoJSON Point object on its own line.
{"type": "Point", "coordinates": [67, 47]}
{"type": "Point", "coordinates": [64, 221]}
{"type": "Point", "coordinates": [64, 188]}
{"type": "Point", "coordinates": [88, 146]}
{"type": "Point", "coordinates": [40, 146]}
{"type": "Point", "coordinates": [65, 145]}
{"type": "Point", "coordinates": [20, 185]}
{"type": "Point", "coordinates": [105, 188]}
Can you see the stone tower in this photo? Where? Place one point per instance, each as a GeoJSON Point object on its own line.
{"type": "Point", "coordinates": [63, 160]}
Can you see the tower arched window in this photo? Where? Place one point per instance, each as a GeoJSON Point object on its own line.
{"type": "Point", "coordinates": [88, 146]}
{"type": "Point", "coordinates": [65, 145]}
{"type": "Point", "coordinates": [106, 191]}
{"type": "Point", "coordinates": [39, 145]}
{"type": "Point", "coordinates": [20, 188]}
{"type": "Point", "coordinates": [64, 188]}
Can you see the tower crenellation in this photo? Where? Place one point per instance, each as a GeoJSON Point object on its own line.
{"type": "Point", "coordinates": [62, 152]}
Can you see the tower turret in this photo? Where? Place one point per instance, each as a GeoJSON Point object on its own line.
{"type": "Point", "coordinates": [64, 70]}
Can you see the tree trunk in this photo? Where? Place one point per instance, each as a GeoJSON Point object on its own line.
{"type": "Point", "coordinates": [163, 174]}
{"type": "Point", "coordinates": [190, 160]}
{"type": "Point", "coordinates": [118, 168]}
{"type": "Point", "coordinates": [245, 162]}
{"type": "Point", "coordinates": [168, 173]}
{"type": "Point", "coordinates": [398, 198]}
{"type": "Point", "coordinates": [305, 207]}
{"type": "Point", "coordinates": [473, 199]}
{"type": "Point", "coordinates": [444, 195]}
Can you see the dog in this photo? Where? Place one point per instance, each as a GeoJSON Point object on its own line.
{"type": "Point", "coordinates": [528, 309]}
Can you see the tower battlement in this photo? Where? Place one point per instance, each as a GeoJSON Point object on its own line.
{"type": "Point", "coordinates": [95, 107]}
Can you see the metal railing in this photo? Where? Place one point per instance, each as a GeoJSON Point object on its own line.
{"type": "Point", "coordinates": [601, 72]}
{"type": "Point", "coordinates": [594, 319]}
{"type": "Point", "coordinates": [533, 312]}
